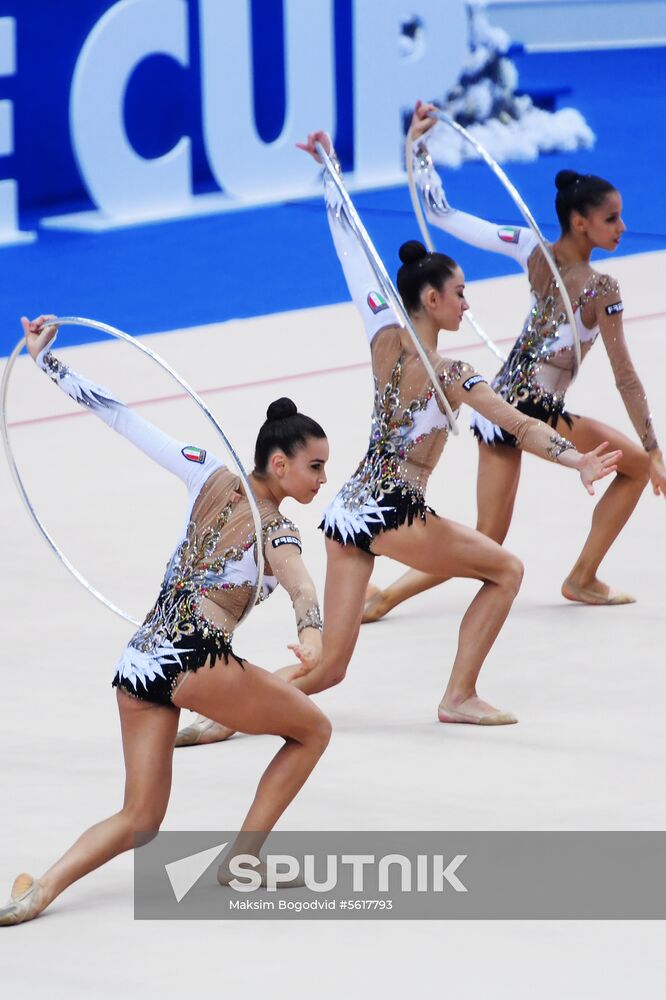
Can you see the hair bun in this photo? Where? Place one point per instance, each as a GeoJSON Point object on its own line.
{"type": "Point", "coordinates": [565, 178]}
{"type": "Point", "coordinates": [412, 251]}
{"type": "Point", "coordinates": [282, 408]}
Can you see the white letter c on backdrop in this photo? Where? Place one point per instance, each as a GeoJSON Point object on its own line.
{"type": "Point", "coordinates": [120, 182]}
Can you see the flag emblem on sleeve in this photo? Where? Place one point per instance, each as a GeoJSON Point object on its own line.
{"type": "Point", "coordinates": [509, 234]}
{"type": "Point", "coordinates": [193, 454]}
{"type": "Point", "coordinates": [377, 302]}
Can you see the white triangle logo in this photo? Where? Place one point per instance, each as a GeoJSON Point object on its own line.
{"type": "Point", "coordinates": [186, 871]}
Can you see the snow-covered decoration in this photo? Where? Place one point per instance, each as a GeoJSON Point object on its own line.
{"type": "Point", "coordinates": [485, 102]}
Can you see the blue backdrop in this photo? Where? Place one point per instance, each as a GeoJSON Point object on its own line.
{"type": "Point", "coordinates": [245, 263]}
{"type": "Point", "coordinates": [163, 100]}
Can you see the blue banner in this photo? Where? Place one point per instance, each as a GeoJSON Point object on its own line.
{"type": "Point", "coordinates": [139, 110]}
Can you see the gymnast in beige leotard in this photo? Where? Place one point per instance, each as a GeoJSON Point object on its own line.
{"type": "Point", "coordinates": [540, 367]}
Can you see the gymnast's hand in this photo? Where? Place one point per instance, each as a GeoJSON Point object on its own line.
{"type": "Point", "coordinates": [38, 334]}
{"type": "Point", "coordinates": [595, 465]}
{"type": "Point", "coordinates": [422, 121]}
{"type": "Point", "coordinates": [657, 472]}
{"type": "Point", "coordinates": [308, 651]}
{"type": "Point", "coordinates": [309, 147]}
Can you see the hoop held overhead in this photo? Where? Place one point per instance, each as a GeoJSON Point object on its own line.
{"type": "Point", "coordinates": [427, 239]}
{"type": "Point", "coordinates": [120, 335]}
{"type": "Point", "coordinates": [531, 221]}
{"type": "Point", "coordinates": [383, 278]}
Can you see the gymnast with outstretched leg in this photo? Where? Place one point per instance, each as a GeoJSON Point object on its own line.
{"type": "Point", "coordinates": [382, 509]}
{"type": "Point", "coordinates": [540, 368]}
{"type": "Point", "coordinates": [182, 655]}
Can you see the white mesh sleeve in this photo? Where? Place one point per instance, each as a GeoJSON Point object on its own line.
{"type": "Point", "coordinates": [361, 280]}
{"type": "Point", "coordinates": [191, 464]}
{"type": "Point", "coordinates": [511, 241]}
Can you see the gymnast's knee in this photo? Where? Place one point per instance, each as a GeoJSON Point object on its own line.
{"type": "Point", "coordinates": [320, 731]}
{"type": "Point", "coordinates": [334, 673]}
{"type": "Point", "coordinates": [335, 661]}
{"type": "Point", "coordinates": [337, 676]}
{"type": "Point", "coordinates": [512, 573]}
{"type": "Point", "coordinates": [635, 467]}
{"type": "Point", "coordinates": [328, 679]}
{"type": "Point", "coordinates": [144, 820]}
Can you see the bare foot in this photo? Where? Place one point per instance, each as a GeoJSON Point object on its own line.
{"type": "Point", "coordinates": [475, 712]}
{"type": "Point", "coordinates": [376, 605]}
{"type": "Point", "coordinates": [594, 592]}
{"type": "Point", "coordinates": [201, 731]}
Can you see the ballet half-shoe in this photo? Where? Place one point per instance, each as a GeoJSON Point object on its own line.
{"type": "Point", "coordinates": [24, 903]}
{"type": "Point", "coordinates": [491, 719]}
{"type": "Point", "coordinates": [583, 596]}
{"type": "Point", "coordinates": [615, 597]}
{"type": "Point", "coordinates": [189, 736]}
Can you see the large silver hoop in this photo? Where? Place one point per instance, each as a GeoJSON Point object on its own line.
{"type": "Point", "coordinates": [120, 335]}
{"type": "Point", "coordinates": [529, 219]}
{"type": "Point", "coordinates": [385, 282]}
{"type": "Point", "coordinates": [427, 239]}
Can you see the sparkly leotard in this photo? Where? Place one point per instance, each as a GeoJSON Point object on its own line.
{"type": "Point", "coordinates": [409, 429]}
{"type": "Point", "coordinates": [540, 367]}
{"type": "Point", "coordinates": [212, 573]}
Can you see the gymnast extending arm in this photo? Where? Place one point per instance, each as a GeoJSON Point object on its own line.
{"type": "Point", "coordinates": [359, 275]}
{"type": "Point", "coordinates": [191, 464]}
{"type": "Point", "coordinates": [533, 435]}
{"type": "Point", "coordinates": [609, 317]}
{"type": "Point", "coordinates": [517, 242]}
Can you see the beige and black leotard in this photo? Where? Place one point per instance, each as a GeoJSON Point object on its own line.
{"type": "Point", "coordinates": [212, 573]}
{"type": "Point", "coordinates": [540, 367]}
{"type": "Point", "coordinates": [408, 430]}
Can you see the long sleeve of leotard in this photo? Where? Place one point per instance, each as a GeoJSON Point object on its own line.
{"type": "Point", "coordinates": [283, 553]}
{"type": "Point", "coordinates": [609, 317]}
{"type": "Point", "coordinates": [191, 464]}
{"type": "Point", "coordinates": [361, 280]}
{"type": "Point", "coordinates": [534, 436]}
{"type": "Point", "coordinates": [512, 241]}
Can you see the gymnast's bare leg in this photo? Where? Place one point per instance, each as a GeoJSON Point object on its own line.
{"type": "Point", "coordinates": [610, 514]}
{"type": "Point", "coordinates": [251, 699]}
{"type": "Point", "coordinates": [442, 549]}
{"type": "Point", "coordinates": [497, 485]}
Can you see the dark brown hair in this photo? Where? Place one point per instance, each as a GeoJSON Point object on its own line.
{"type": "Point", "coordinates": [419, 269]}
{"type": "Point", "coordinates": [578, 193]}
{"type": "Point", "coordinates": [285, 429]}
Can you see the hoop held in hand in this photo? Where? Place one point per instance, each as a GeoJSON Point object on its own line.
{"type": "Point", "coordinates": [120, 335]}
{"type": "Point", "coordinates": [531, 221]}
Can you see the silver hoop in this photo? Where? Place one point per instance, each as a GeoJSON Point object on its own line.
{"type": "Point", "coordinates": [119, 335]}
{"type": "Point", "coordinates": [383, 278]}
{"type": "Point", "coordinates": [531, 221]}
{"type": "Point", "coordinates": [427, 239]}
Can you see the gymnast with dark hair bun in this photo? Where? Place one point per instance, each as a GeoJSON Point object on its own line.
{"type": "Point", "coordinates": [182, 655]}
{"type": "Point", "coordinates": [381, 510]}
{"type": "Point", "coordinates": [540, 368]}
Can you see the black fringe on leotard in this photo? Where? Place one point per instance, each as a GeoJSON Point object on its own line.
{"type": "Point", "coordinates": [401, 506]}
{"type": "Point", "coordinates": [543, 410]}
